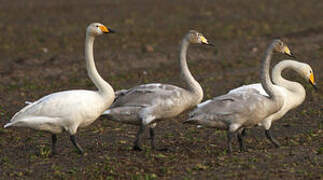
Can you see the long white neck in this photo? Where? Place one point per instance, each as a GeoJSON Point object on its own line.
{"type": "Point", "coordinates": [265, 77]}
{"type": "Point", "coordinates": [191, 84]}
{"type": "Point", "coordinates": [294, 88]}
{"type": "Point", "coordinates": [104, 88]}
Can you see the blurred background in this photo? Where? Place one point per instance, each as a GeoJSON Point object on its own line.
{"type": "Point", "coordinates": [41, 52]}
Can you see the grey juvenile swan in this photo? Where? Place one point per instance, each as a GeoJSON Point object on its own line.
{"type": "Point", "coordinates": [144, 104]}
{"type": "Point", "coordinates": [248, 107]}
{"type": "Point", "coordinates": [293, 92]}
{"type": "Point", "coordinates": [69, 110]}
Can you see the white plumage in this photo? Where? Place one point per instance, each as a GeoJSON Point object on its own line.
{"type": "Point", "coordinates": [60, 111]}
{"type": "Point", "coordinates": [243, 88]}
{"type": "Point", "coordinates": [69, 110]}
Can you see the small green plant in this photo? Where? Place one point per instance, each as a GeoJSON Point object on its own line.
{"type": "Point", "coordinates": [44, 151]}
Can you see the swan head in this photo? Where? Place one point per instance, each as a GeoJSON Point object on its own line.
{"type": "Point", "coordinates": [281, 47]}
{"type": "Point", "coordinates": [306, 71]}
{"type": "Point", "coordinates": [195, 37]}
{"type": "Point", "coordinates": [96, 29]}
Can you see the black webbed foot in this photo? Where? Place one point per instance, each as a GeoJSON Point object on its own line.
{"type": "Point", "coordinates": [136, 148]}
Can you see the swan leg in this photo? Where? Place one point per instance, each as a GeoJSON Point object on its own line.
{"type": "Point", "coordinates": [54, 140]}
{"type": "Point", "coordinates": [273, 140]}
{"type": "Point", "coordinates": [244, 132]}
{"type": "Point", "coordinates": [140, 133]}
{"type": "Point", "coordinates": [230, 135]}
{"type": "Point", "coordinates": [241, 135]}
{"type": "Point", "coordinates": [152, 138]}
{"type": "Point", "coordinates": [233, 128]}
{"type": "Point", "coordinates": [77, 146]}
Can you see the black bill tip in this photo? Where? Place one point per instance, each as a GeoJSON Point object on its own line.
{"type": "Point", "coordinates": [291, 55]}
{"type": "Point", "coordinates": [314, 85]}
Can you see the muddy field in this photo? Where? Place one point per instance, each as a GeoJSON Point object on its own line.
{"type": "Point", "coordinates": [41, 52]}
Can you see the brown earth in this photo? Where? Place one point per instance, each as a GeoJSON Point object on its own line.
{"type": "Point", "coordinates": [41, 47]}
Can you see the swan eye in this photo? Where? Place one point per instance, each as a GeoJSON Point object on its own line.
{"type": "Point", "coordinates": [281, 44]}
{"type": "Point", "coordinates": [97, 26]}
{"type": "Point", "coordinates": [201, 37]}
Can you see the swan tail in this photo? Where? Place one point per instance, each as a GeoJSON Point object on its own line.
{"type": "Point", "coordinates": [9, 124]}
{"type": "Point", "coordinates": [28, 102]}
{"type": "Point", "coordinates": [13, 121]}
{"type": "Point", "coordinates": [193, 121]}
{"type": "Point", "coordinates": [121, 92]}
{"type": "Point", "coordinates": [107, 112]}
{"type": "Point", "coordinates": [128, 115]}
{"type": "Point", "coordinates": [107, 115]}
{"type": "Point", "coordinates": [116, 115]}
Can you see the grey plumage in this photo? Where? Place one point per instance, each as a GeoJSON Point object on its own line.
{"type": "Point", "coordinates": [238, 110]}
{"type": "Point", "coordinates": [144, 105]}
{"type": "Point", "coordinates": [228, 109]}
{"type": "Point", "coordinates": [154, 100]}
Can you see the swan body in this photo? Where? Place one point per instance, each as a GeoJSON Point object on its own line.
{"type": "Point", "coordinates": [244, 107]}
{"type": "Point", "coordinates": [60, 111]}
{"type": "Point", "coordinates": [68, 110]}
{"type": "Point", "coordinates": [293, 93]}
{"type": "Point", "coordinates": [143, 105]}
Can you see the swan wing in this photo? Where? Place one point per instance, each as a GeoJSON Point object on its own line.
{"type": "Point", "coordinates": [120, 93]}
{"type": "Point", "coordinates": [147, 95]}
{"type": "Point", "coordinates": [244, 106]}
{"type": "Point", "coordinates": [258, 87]}
{"type": "Point", "coordinates": [44, 123]}
{"type": "Point", "coordinates": [63, 104]}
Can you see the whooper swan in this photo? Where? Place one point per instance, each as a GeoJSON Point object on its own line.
{"type": "Point", "coordinates": [68, 110]}
{"type": "Point", "coordinates": [143, 105]}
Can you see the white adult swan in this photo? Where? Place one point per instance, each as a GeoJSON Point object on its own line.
{"type": "Point", "coordinates": [143, 105]}
{"type": "Point", "coordinates": [68, 110]}
{"type": "Point", "coordinates": [248, 107]}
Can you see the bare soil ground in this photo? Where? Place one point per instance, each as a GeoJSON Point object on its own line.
{"type": "Point", "coordinates": [41, 48]}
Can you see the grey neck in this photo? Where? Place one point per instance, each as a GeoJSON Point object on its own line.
{"type": "Point", "coordinates": [265, 77]}
{"type": "Point", "coordinates": [274, 95]}
{"type": "Point", "coordinates": [191, 84]}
